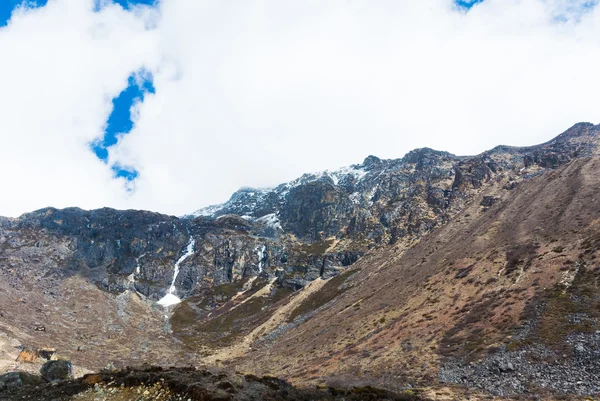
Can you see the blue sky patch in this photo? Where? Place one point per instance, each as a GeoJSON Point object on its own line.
{"type": "Point", "coordinates": [575, 10]}
{"type": "Point", "coordinates": [119, 122]}
{"type": "Point", "coordinates": [124, 172]}
{"type": "Point", "coordinates": [7, 7]}
{"type": "Point", "coordinates": [127, 4]}
{"type": "Point", "coordinates": [467, 3]}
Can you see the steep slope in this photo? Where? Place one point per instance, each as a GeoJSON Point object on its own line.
{"type": "Point", "coordinates": [506, 298]}
{"type": "Point", "coordinates": [406, 205]}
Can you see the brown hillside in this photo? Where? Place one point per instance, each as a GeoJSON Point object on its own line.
{"type": "Point", "coordinates": [502, 298]}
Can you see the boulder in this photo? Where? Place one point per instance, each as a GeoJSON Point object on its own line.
{"type": "Point", "coordinates": [27, 355]}
{"type": "Point", "coordinates": [54, 371]}
{"type": "Point", "coordinates": [48, 354]}
{"type": "Point", "coordinates": [489, 201]}
{"type": "Point", "coordinates": [17, 379]}
{"type": "Point", "coordinates": [506, 367]}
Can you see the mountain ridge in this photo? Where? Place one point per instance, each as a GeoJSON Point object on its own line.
{"type": "Point", "coordinates": [576, 130]}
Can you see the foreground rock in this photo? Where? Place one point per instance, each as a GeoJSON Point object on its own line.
{"type": "Point", "coordinates": [13, 380]}
{"type": "Point", "coordinates": [157, 384]}
{"type": "Point", "coordinates": [55, 371]}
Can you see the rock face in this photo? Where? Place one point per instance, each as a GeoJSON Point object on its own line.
{"type": "Point", "coordinates": [384, 201]}
{"type": "Point", "coordinates": [54, 371]}
{"type": "Point", "coordinates": [314, 226]}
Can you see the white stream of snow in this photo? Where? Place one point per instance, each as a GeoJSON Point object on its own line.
{"type": "Point", "coordinates": [260, 252]}
{"type": "Point", "coordinates": [171, 298]}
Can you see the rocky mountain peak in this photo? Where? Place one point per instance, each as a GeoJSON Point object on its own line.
{"type": "Point", "coordinates": [426, 156]}
{"type": "Point", "coordinates": [371, 161]}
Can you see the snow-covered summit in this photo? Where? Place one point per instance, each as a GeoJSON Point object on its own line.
{"type": "Point", "coordinates": [257, 203]}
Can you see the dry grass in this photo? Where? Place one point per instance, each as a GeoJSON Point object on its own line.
{"type": "Point", "coordinates": [460, 291]}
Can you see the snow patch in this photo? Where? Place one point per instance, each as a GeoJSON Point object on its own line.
{"type": "Point", "coordinates": [260, 252]}
{"type": "Point", "coordinates": [208, 211]}
{"type": "Point", "coordinates": [171, 298]}
{"type": "Point", "coordinates": [137, 266]}
{"type": "Point", "coordinates": [372, 193]}
{"type": "Point", "coordinates": [355, 197]}
{"type": "Point", "coordinates": [271, 220]}
{"type": "Point", "coordinates": [354, 171]}
{"type": "Point", "coordinates": [336, 176]}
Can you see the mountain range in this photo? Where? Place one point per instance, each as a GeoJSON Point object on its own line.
{"type": "Point", "coordinates": [430, 271]}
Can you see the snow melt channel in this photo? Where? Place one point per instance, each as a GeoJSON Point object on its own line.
{"type": "Point", "coordinates": [260, 252]}
{"type": "Point", "coordinates": [171, 298]}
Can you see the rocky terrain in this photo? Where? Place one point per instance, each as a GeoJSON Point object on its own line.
{"type": "Point", "coordinates": [182, 384]}
{"type": "Point", "coordinates": [430, 269]}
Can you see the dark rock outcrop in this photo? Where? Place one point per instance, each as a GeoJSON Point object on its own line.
{"type": "Point", "coordinates": [155, 383]}
{"type": "Point", "coordinates": [55, 371]}
{"type": "Point", "coordinates": [14, 380]}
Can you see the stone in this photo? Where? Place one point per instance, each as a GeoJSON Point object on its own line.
{"type": "Point", "coordinates": [18, 379]}
{"type": "Point", "coordinates": [48, 354]}
{"type": "Point", "coordinates": [54, 371]}
{"type": "Point", "coordinates": [92, 379]}
{"type": "Point", "coordinates": [27, 355]}
{"type": "Point", "coordinates": [226, 385]}
{"type": "Point", "coordinates": [110, 367]}
{"type": "Point", "coordinates": [506, 366]}
{"type": "Point", "coordinates": [488, 201]}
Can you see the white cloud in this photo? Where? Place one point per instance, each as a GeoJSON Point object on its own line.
{"type": "Point", "coordinates": [258, 92]}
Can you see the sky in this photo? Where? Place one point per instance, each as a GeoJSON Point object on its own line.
{"type": "Point", "coordinates": [172, 105]}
